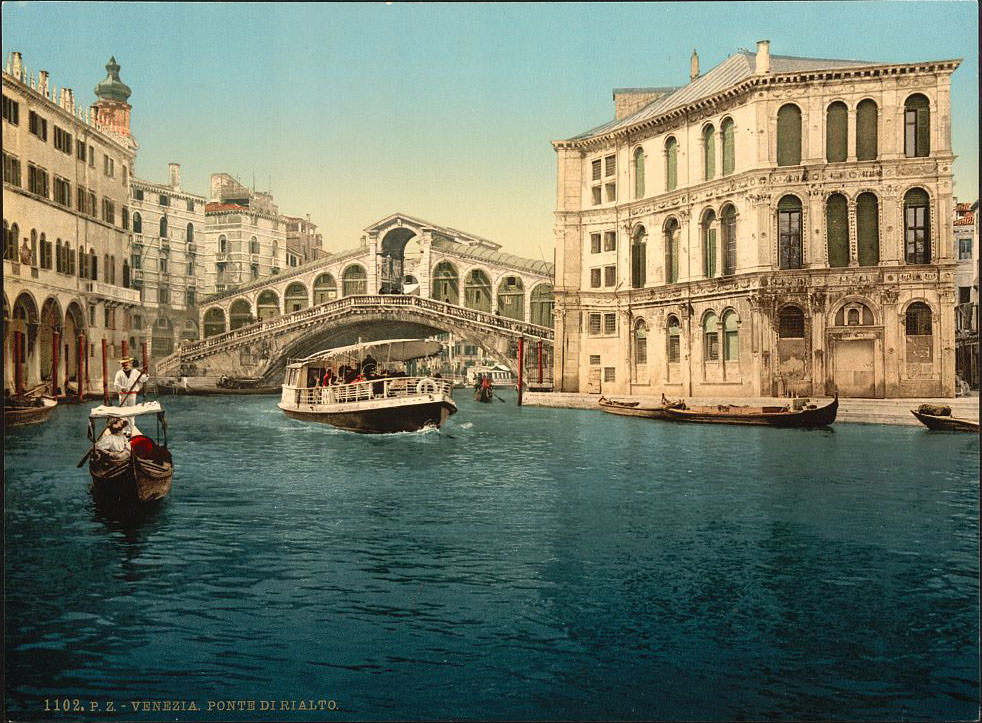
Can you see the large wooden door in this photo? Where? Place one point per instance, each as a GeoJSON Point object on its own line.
{"type": "Point", "coordinates": [854, 368]}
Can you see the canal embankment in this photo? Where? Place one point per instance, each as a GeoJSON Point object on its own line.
{"type": "Point", "coordinates": [851, 410]}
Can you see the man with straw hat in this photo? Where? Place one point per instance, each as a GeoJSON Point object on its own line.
{"type": "Point", "coordinates": [128, 382]}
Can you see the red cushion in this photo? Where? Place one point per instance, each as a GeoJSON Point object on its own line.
{"type": "Point", "coordinates": [142, 446]}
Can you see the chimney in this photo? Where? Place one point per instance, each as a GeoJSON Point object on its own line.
{"type": "Point", "coordinates": [763, 57]}
{"type": "Point", "coordinates": [43, 83]}
{"type": "Point", "coordinates": [69, 100]}
{"type": "Point", "coordinates": [694, 66]}
{"type": "Point", "coordinates": [175, 175]}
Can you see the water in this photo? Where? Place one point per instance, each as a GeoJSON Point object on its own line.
{"type": "Point", "coordinates": [520, 563]}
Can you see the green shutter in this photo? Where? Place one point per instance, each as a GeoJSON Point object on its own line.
{"type": "Point", "coordinates": [710, 259]}
{"type": "Point", "coordinates": [789, 136]}
{"type": "Point", "coordinates": [709, 143]}
{"type": "Point", "coordinates": [729, 148]}
{"type": "Point", "coordinates": [671, 179]}
{"type": "Point", "coordinates": [868, 231]}
{"type": "Point", "coordinates": [836, 132]}
{"type": "Point", "coordinates": [639, 174]}
{"type": "Point", "coordinates": [837, 230]}
{"type": "Point", "coordinates": [866, 131]}
{"type": "Point", "coordinates": [923, 132]}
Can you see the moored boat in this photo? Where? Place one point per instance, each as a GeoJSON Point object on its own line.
{"type": "Point", "coordinates": [484, 394]}
{"type": "Point", "coordinates": [939, 419]}
{"type": "Point", "coordinates": [634, 408]}
{"type": "Point", "coordinates": [801, 414]}
{"type": "Point", "coordinates": [125, 465]}
{"type": "Point", "coordinates": [361, 388]}
{"type": "Point", "coordinates": [22, 412]}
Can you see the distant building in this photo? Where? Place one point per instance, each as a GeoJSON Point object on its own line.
{"type": "Point", "coordinates": [66, 274]}
{"type": "Point", "coordinates": [776, 226]}
{"type": "Point", "coordinates": [966, 230]}
{"type": "Point", "coordinates": [303, 243]}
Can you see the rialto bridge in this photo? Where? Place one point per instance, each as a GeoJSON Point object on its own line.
{"type": "Point", "coordinates": [408, 277]}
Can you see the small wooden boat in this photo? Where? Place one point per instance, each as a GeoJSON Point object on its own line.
{"type": "Point", "coordinates": [21, 411]}
{"type": "Point", "coordinates": [198, 387]}
{"type": "Point", "coordinates": [939, 419]}
{"type": "Point", "coordinates": [134, 469]}
{"type": "Point", "coordinates": [808, 415]}
{"type": "Point", "coordinates": [631, 409]}
{"type": "Point", "coordinates": [484, 394]}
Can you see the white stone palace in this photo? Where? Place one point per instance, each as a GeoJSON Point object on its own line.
{"type": "Point", "coordinates": [778, 225]}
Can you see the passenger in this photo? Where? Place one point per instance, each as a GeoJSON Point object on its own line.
{"type": "Point", "coordinates": [115, 441]}
{"type": "Point", "coordinates": [328, 378]}
{"type": "Point", "coordinates": [128, 382]}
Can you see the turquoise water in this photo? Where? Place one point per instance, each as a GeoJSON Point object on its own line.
{"type": "Point", "coordinates": [520, 563]}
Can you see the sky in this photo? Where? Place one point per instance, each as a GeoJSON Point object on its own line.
{"type": "Point", "coordinates": [444, 112]}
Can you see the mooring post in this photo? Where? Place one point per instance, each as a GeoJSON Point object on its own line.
{"type": "Point", "coordinates": [67, 370]}
{"type": "Point", "coordinates": [540, 362]}
{"type": "Point", "coordinates": [80, 367]}
{"type": "Point", "coordinates": [521, 359]}
{"type": "Point", "coordinates": [125, 348]}
{"type": "Point", "coordinates": [105, 374]}
{"type": "Point", "coordinates": [55, 341]}
{"type": "Point", "coordinates": [18, 370]}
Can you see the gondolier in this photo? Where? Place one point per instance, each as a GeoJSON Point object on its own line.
{"type": "Point", "coordinates": [128, 382]}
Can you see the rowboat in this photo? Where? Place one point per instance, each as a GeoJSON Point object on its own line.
{"type": "Point", "coordinates": [484, 394]}
{"type": "Point", "coordinates": [631, 409]}
{"type": "Point", "coordinates": [125, 465]}
{"type": "Point", "coordinates": [800, 414]}
{"type": "Point", "coordinates": [929, 416]}
{"type": "Point", "coordinates": [359, 397]}
{"type": "Point", "coordinates": [34, 411]}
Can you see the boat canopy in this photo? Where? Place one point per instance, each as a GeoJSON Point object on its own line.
{"type": "Point", "coordinates": [134, 411]}
{"type": "Point", "coordinates": [388, 350]}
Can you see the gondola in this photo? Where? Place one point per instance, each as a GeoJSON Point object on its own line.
{"type": "Point", "coordinates": [484, 394]}
{"type": "Point", "coordinates": [807, 416]}
{"type": "Point", "coordinates": [631, 409]}
{"type": "Point", "coordinates": [139, 469]}
{"type": "Point", "coordinates": [21, 412]}
{"type": "Point", "coordinates": [939, 419]}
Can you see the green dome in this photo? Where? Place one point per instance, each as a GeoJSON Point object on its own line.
{"type": "Point", "coordinates": [112, 88]}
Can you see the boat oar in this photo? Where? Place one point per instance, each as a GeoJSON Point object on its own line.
{"type": "Point", "coordinates": [498, 398]}
{"type": "Point", "coordinates": [82, 461]}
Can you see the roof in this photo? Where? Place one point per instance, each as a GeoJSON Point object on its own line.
{"type": "Point", "coordinates": [967, 219]}
{"type": "Point", "coordinates": [732, 71]}
{"type": "Point", "coordinates": [218, 207]}
{"type": "Point", "coordinates": [480, 253]}
{"type": "Point", "coordinates": [386, 350]}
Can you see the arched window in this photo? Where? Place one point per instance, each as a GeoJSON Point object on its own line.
{"type": "Point", "coordinates": [190, 233]}
{"type": "Point", "coordinates": [671, 164]}
{"type": "Point", "coordinates": [639, 172]}
{"type": "Point", "coordinates": [728, 227]}
{"type": "Point", "coordinates": [731, 339]}
{"type": "Point", "coordinates": [837, 230]}
{"type": "Point", "coordinates": [354, 281]}
{"type": "Point", "coordinates": [866, 130]}
{"type": "Point", "coordinates": [836, 133]}
{"type": "Point", "coordinates": [710, 337]}
{"type": "Point", "coordinates": [920, 342]}
{"type": "Point", "coordinates": [477, 291]}
{"type": "Point", "coordinates": [325, 289]}
{"type": "Point", "coordinates": [511, 298]}
{"type": "Point", "coordinates": [791, 323]}
{"type": "Point", "coordinates": [445, 284]}
{"type": "Point", "coordinates": [295, 298]}
{"type": "Point", "coordinates": [709, 152]}
{"type": "Point", "coordinates": [239, 314]}
{"type": "Point", "coordinates": [854, 314]}
{"type": "Point", "coordinates": [34, 248]}
{"type": "Point", "coordinates": [137, 223]}
{"type": "Point", "coordinates": [672, 251]}
{"type": "Point", "coordinates": [268, 305]}
{"type": "Point", "coordinates": [222, 245]}
{"type": "Point", "coordinates": [789, 135]}
{"type": "Point", "coordinates": [709, 244]}
{"type": "Point", "coordinates": [83, 263]}
{"type": "Point", "coordinates": [163, 227]}
{"type": "Point", "coordinates": [917, 227]}
{"type": "Point", "coordinates": [253, 245]}
{"type": "Point", "coordinates": [917, 126]}
{"type": "Point", "coordinates": [728, 130]}
{"type": "Point", "coordinates": [640, 343]}
{"type": "Point", "coordinates": [214, 322]}
{"type": "Point", "coordinates": [868, 229]}
{"type": "Point", "coordinates": [69, 259]}
{"type": "Point", "coordinates": [674, 352]}
{"type": "Point", "coordinates": [638, 257]}
{"type": "Point", "coordinates": [789, 232]}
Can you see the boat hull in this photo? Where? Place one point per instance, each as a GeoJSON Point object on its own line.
{"type": "Point", "coordinates": [757, 416]}
{"type": "Point", "coordinates": [23, 416]}
{"type": "Point", "coordinates": [945, 423]}
{"type": "Point", "coordinates": [132, 480]}
{"type": "Point", "coordinates": [632, 410]}
{"type": "Point", "coordinates": [380, 419]}
{"type": "Point", "coordinates": [483, 395]}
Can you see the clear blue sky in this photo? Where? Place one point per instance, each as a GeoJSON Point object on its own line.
{"type": "Point", "coordinates": [442, 111]}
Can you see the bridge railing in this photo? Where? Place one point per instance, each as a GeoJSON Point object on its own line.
{"type": "Point", "coordinates": [350, 303]}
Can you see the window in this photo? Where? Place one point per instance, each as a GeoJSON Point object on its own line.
{"type": "Point", "coordinates": [37, 181]}
{"type": "Point", "coordinates": [37, 125]}
{"type": "Point", "coordinates": [594, 325]}
{"type": "Point", "coordinates": [255, 271]}
{"type": "Point", "coordinates": [11, 111]}
{"type": "Point", "coordinates": [836, 144]}
{"type": "Point", "coordinates": [868, 229]}
{"type": "Point", "coordinates": [138, 194]}
{"type": "Point", "coordinates": [964, 294]}
{"type": "Point", "coordinates": [709, 152]}
{"type": "Point", "coordinates": [731, 339]}
{"type": "Point", "coordinates": [638, 260]}
{"type": "Point", "coordinates": [137, 261]}
{"type": "Point", "coordinates": [610, 172]}
{"type": "Point", "coordinates": [108, 166]}
{"type": "Point", "coordinates": [91, 205]}
{"type": "Point", "coordinates": [63, 192]}
{"type": "Point", "coordinates": [610, 275]}
{"type": "Point", "coordinates": [609, 374]}
{"type": "Point", "coordinates": [11, 170]}
{"type": "Point", "coordinates": [163, 227]}
{"type": "Point", "coordinates": [190, 271]}
{"type": "Point", "coordinates": [594, 243]}
{"type": "Point", "coordinates": [917, 126]}
{"type": "Point", "coordinates": [189, 233]}
{"type": "Point", "coordinates": [709, 244]}
{"type": "Point", "coordinates": [137, 223]}
{"type": "Point", "coordinates": [674, 340]}
{"type": "Point", "coordinates": [594, 278]}
{"type": "Point", "coordinates": [163, 295]}
{"type": "Point", "coordinates": [610, 324]}
{"type": "Point", "coordinates": [91, 157]}
{"type": "Point", "coordinates": [83, 263]}
{"type": "Point", "coordinates": [164, 200]}
{"type": "Point", "coordinates": [162, 264]}
{"type": "Point", "coordinates": [189, 298]}
{"type": "Point", "coordinates": [126, 274]}
{"type": "Point", "coordinates": [80, 150]}
{"type": "Point", "coordinates": [62, 140]}
{"type": "Point", "coordinates": [640, 342]}
{"type": "Point", "coordinates": [610, 240]}
{"type": "Point", "coordinates": [672, 251]}
{"type": "Point", "coordinates": [639, 172]}
{"type": "Point", "coordinates": [965, 247]}
{"type": "Point", "coordinates": [917, 231]}
{"type": "Point", "coordinates": [603, 174]}
{"type": "Point", "coordinates": [108, 211]}
{"type": "Point", "coordinates": [791, 323]}
{"type": "Point", "coordinates": [190, 204]}
{"type": "Point", "coordinates": [789, 232]}
{"type": "Point", "coordinates": [727, 129]}
{"type": "Point", "coordinates": [837, 230]}
{"type": "Point", "coordinates": [59, 257]}
{"type": "Point", "coordinates": [253, 245]}
{"type": "Point", "coordinates": [125, 213]}
{"type": "Point", "coordinates": [46, 253]}
{"type": "Point", "coordinates": [710, 335]}
{"type": "Point", "coordinates": [10, 241]}
{"type": "Point", "coordinates": [866, 131]}
{"type": "Point", "coordinates": [671, 163]}
{"type": "Point", "coordinates": [919, 339]}
{"type": "Point", "coordinates": [789, 135]}
{"type": "Point", "coordinates": [93, 268]}
{"type": "Point", "coordinates": [80, 198]}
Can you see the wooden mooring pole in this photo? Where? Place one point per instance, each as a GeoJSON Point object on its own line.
{"type": "Point", "coordinates": [105, 374]}
{"type": "Point", "coordinates": [80, 367]}
{"type": "Point", "coordinates": [55, 341]}
{"type": "Point", "coordinates": [521, 364]}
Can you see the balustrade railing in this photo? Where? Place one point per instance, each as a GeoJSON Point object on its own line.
{"type": "Point", "coordinates": [385, 388]}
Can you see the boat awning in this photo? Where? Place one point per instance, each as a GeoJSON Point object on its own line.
{"type": "Point", "coordinates": [388, 350]}
{"type": "Point", "coordinates": [135, 411]}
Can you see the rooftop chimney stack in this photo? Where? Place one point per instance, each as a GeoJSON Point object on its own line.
{"type": "Point", "coordinates": [175, 175]}
{"type": "Point", "coordinates": [763, 57]}
{"type": "Point", "coordinates": [694, 66]}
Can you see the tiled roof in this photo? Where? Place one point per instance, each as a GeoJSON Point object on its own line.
{"type": "Point", "coordinates": [214, 207]}
{"type": "Point", "coordinates": [730, 72]}
{"type": "Point", "coordinates": [966, 219]}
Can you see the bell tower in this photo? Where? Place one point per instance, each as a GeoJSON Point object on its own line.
{"type": "Point", "coordinates": [111, 112]}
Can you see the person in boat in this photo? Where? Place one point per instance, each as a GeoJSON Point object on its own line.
{"type": "Point", "coordinates": [328, 379]}
{"type": "Point", "coordinates": [128, 382]}
{"type": "Point", "coordinates": [486, 382]}
{"type": "Point", "coordinates": [115, 442]}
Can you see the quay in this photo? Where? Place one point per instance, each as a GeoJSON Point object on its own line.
{"type": "Point", "coordinates": [851, 410]}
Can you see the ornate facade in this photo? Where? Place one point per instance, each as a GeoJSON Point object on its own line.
{"type": "Point", "coordinates": [778, 225]}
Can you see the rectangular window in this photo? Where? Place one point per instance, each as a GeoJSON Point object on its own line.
{"type": "Point", "coordinates": [63, 192]}
{"type": "Point", "coordinates": [594, 243]}
{"type": "Point", "coordinates": [80, 199]}
{"type": "Point", "coordinates": [610, 275]}
{"type": "Point", "coordinates": [108, 166]}
{"type": "Point", "coordinates": [594, 278]}
{"type": "Point", "coordinates": [91, 157]}
{"type": "Point", "coordinates": [597, 197]}
{"type": "Point", "coordinates": [610, 165]}
{"type": "Point", "coordinates": [610, 241]}
{"type": "Point", "coordinates": [595, 324]}
{"type": "Point", "coordinates": [964, 294]}
{"type": "Point", "coordinates": [965, 248]}
{"type": "Point", "coordinates": [126, 218]}
{"type": "Point", "coordinates": [37, 181]}
{"type": "Point", "coordinates": [11, 111]}
{"type": "Point", "coordinates": [63, 140]}
{"type": "Point", "coordinates": [594, 360]}
{"type": "Point", "coordinates": [138, 194]}
{"type": "Point", "coordinates": [162, 263]}
{"type": "Point", "coordinates": [37, 125]}
{"type": "Point", "coordinates": [609, 374]}
{"type": "Point", "coordinates": [610, 324]}
{"type": "Point", "coordinates": [712, 346]}
{"type": "Point", "coordinates": [92, 209]}
{"type": "Point", "coordinates": [190, 268]}
{"type": "Point", "coordinates": [11, 170]}
{"type": "Point", "coordinates": [163, 295]}
{"type": "Point", "coordinates": [80, 150]}
{"type": "Point", "coordinates": [189, 298]}
{"type": "Point", "coordinates": [136, 261]}
{"type": "Point", "coordinates": [108, 211]}
{"type": "Point", "coordinates": [611, 189]}
{"type": "Point", "coordinates": [674, 349]}
{"type": "Point", "coordinates": [596, 170]}
{"type": "Point", "coordinates": [190, 205]}
{"type": "Point", "coordinates": [164, 200]}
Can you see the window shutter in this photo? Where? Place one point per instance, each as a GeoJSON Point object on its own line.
{"type": "Point", "coordinates": [923, 132]}
{"type": "Point", "coordinates": [837, 231]}
{"type": "Point", "coordinates": [867, 227]}
{"type": "Point", "coordinates": [729, 147]}
{"type": "Point", "coordinates": [789, 136]}
{"type": "Point", "coordinates": [835, 133]}
{"type": "Point", "coordinates": [866, 132]}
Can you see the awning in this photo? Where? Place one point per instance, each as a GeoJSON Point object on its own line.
{"type": "Point", "coordinates": [388, 350]}
{"type": "Point", "coordinates": [135, 411]}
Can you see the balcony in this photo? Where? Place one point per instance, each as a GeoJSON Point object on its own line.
{"type": "Point", "coordinates": [108, 292]}
{"type": "Point", "coordinates": [192, 248]}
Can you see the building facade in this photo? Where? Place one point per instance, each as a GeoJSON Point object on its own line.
{"type": "Point", "coordinates": [966, 232]}
{"type": "Point", "coordinates": [776, 226]}
{"type": "Point", "coordinates": [303, 243]}
{"type": "Point", "coordinates": [66, 177]}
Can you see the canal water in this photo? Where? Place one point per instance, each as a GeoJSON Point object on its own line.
{"type": "Point", "coordinates": [522, 563]}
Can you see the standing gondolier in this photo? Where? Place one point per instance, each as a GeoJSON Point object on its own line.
{"type": "Point", "coordinates": [128, 382]}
